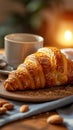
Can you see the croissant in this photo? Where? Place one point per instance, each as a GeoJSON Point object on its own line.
{"type": "Point", "coordinates": [43, 69]}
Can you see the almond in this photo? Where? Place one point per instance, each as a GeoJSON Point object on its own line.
{"type": "Point", "coordinates": [24, 108]}
{"type": "Point", "coordinates": [2, 110]}
{"type": "Point", "coordinates": [8, 106]}
{"type": "Point", "coordinates": [55, 119]}
{"type": "Point", "coordinates": [2, 102]}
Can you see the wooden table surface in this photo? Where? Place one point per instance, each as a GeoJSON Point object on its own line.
{"type": "Point", "coordinates": [38, 122]}
{"type": "Point", "coordinates": [34, 123]}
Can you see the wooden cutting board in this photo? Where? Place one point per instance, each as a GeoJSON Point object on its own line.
{"type": "Point", "coordinates": [51, 93]}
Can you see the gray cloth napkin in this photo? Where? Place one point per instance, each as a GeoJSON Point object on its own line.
{"type": "Point", "coordinates": [37, 108]}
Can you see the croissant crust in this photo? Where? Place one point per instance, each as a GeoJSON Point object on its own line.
{"type": "Point", "coordinates": [45, 68]}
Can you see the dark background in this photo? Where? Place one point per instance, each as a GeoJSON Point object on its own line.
{"type": "Point", "coordinates": [32, 16]}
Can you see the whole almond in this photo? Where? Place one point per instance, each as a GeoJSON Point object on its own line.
{"type": "Point", "coordinates": [2, 110]}
{"type": "Point", "coordinates": [8, 106]}
{"type": "Point", "coordinates": [55, 119]}
{"type": "Point", "coordinates": [24, 108]}
{"type": "Point", "coordinates": [2, 102]}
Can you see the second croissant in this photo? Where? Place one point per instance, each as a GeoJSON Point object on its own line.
{"type": "Point", "coordinates": [43, 69]}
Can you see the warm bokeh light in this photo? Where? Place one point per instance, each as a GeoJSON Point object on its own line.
{"type": "Point", "coordinates": [68, 35]}
{"type": "Point", "coordinates": [64, 35]}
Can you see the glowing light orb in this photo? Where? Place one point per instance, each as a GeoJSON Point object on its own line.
{"type": "Point", "coordinates": [68, 35]}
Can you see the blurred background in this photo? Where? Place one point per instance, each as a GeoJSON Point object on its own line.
{"type": "Point", "coordinates": [52, 19]}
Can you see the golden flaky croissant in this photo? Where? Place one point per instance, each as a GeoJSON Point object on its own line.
{"type": "Point", "coordinates": [47, 67]}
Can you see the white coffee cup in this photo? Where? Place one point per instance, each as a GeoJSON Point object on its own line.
{"type": "Point", "coordinates": [20, 45]}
